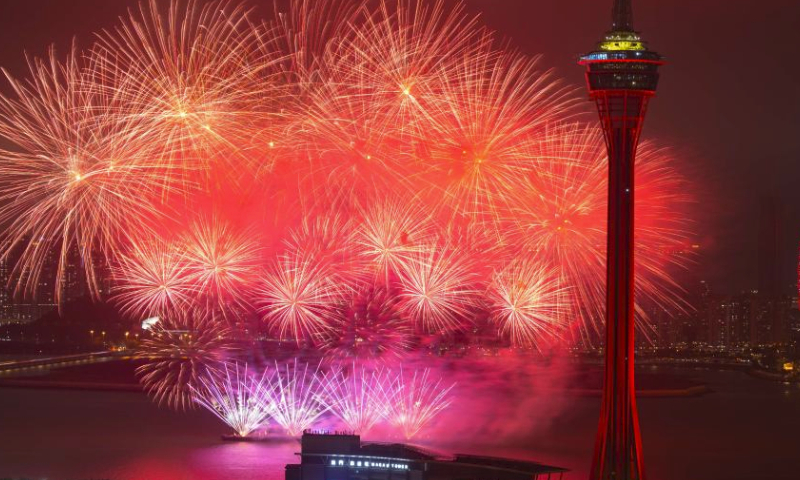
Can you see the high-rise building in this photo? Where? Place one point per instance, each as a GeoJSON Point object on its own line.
{"type": "Point", "coordinates": [770, 236]}
{"type": "Point", "coordinates": [25, 297]}
{"type": "Point", "coordinates": [622, 76]}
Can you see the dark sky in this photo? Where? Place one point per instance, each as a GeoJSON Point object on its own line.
{"type": "Point", "coordinates": [729, 99]}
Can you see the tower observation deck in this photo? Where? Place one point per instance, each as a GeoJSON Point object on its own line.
{"type": "Point", "coordinates": [621, 75]}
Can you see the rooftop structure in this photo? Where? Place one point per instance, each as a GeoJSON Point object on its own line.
{"type": "Point", "coordinates": [342, 456]}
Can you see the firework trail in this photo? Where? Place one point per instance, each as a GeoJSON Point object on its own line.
{"type": "Point", "coordinates": [295, 403]}
{"type": "Point", "coordinates": [368, 326]}
{"type": "Point", "coordinates": [181, 356]}
{"type": "Point", "coordinates": [415, 402]}
{"type": "Point", "coordinates": [526, 303]}
{"type": "Point", "coordinates": [356, 397]}
{"type": "Point", "coordinates": [239, 399]}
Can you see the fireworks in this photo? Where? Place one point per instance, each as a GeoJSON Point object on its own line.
{"type": "Point", "coordinates": [414, 403]}
{"type": "Point", "coordinates": [526, 304]}
{"type": "Point", "coordinates": [391, 234]}
{"type": "Point", "coordinates": [369, 326]}
{"type": "Point", "coordinates": [484, 126]}
{"type": "Point", "coordinates": [358, 397]}
{"type": "Point", "coordinates": [295, 403]}
{"type": "Point", "coordinates": [563, 220]}
{"type": "Point", "coordinates": [70, 177]}
{"type": "Point", "coordinates": [297, 297]}
{"type": "Point", "coordinates": [438, 289]}
{"type": "Point", "coordinates": [400, 172]}
{"type": "Point", "coordinates": [220, 262]}
{"type": "Point", "coordinates": [189, 77]}
{"type": "Point", "coordinates": [239, 399]}
{"type": "Point", "coordinates": [181, 356]}
{"type": "Point", "coordinates": [153, 280]}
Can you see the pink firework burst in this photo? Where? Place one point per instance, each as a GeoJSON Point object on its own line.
{"type": "Point", "coordinates": [72, 177]}
{"type": "Point", "coordinates": [484, 125]}
{"type": "Point", "coordinates": [526, 303]}
{"type": "Point", "coordinates": [357, 396]}
{"type": "Point", "coordinates": [391, 233]}
{"type": "Point", "coordinates": [414, 402]}
{"type": "Point", "coordinates": [297, 299]}
{"type": "Point", "coordinates": [295, 403]}
{"type": "Point", "coordinates": [153, 280]}
{"type": "Point", "coordinates": [192, 77]}
{"type": "Point", "coordinates": [239, 398]}
{"type": "Point", "coordinates": [565, 220]}
{"type": "Point", "coordinates": [221, 263]}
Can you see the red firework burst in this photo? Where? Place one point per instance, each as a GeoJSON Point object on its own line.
{"type": "Point", "coordinates": [369, 326]}
{"type": "Point", "coordinates": [181, 354]}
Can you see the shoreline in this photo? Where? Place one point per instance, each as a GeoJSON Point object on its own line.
{"type": "Point", "coordinates": [691, 391]}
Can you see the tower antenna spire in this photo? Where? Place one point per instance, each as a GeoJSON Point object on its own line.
{"type": "Point", "coordinates": [622, 16]}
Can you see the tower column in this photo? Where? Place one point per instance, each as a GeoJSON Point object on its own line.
{"type": "Point", "coordinates": [622, 76]}
{"type": "Point", "coordinates": [618, 444]}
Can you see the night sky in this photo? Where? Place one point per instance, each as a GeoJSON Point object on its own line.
{"type": "Point", "coordinates": [729, 99]}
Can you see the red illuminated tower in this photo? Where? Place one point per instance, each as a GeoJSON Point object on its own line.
{"type": "Point", "coordinates": [622, 75]}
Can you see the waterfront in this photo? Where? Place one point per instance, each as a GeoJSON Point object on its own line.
{"type": "Point", "coordinates": [78, 434]}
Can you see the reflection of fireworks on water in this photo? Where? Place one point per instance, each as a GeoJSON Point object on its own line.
{"type": "Point", "coordinates": [239, 399]}
{"type": "Point", "coordinates": [181, 355]}
{"type": "Point", "coordinates": [370, 325]}
{"type": "Point", "coordinates": [526, 303]}
{"type": "Point", "coordinates": [414, 403]}
{"type": "Point", "coordinates": [357, 397]}
{"type": "Point", "coordinates": [295, 403]}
